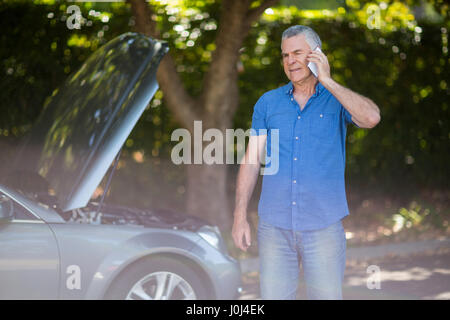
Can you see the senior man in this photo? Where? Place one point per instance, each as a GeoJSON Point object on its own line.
{"type": "Point", "coordinates": [302, 205]}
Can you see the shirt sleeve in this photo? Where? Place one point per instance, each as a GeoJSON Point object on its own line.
{"type": "Point", "coordinates": [259, 118]}
{"type": "Point", "coordinates": [347, 116]}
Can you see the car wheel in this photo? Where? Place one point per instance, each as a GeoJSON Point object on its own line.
{"type": "Point", "coordinates": [158, 278]}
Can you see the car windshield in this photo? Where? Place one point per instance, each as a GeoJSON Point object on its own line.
{"type": "Point", "coordinates": [85, 122]}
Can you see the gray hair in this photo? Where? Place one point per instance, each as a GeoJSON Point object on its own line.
{"type": "Point", "coordinates": [312, 38]}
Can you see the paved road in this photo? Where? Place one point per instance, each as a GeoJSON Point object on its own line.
{"type": "Point", "coordinates": [414, 270]}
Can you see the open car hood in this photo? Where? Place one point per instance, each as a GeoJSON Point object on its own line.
{"type": "Point", "coordinates": [85, 122]}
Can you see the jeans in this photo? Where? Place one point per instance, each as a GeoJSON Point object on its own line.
{"type": "Point", "coordinates": [322, 253]}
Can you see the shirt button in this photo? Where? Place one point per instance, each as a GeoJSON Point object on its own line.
{"type": "Point", "coordinates": [294, 203]}
{"type": "Point", "coordinates": [298, 117]}
{"type": "Point", "coordinates": [295, 159]}
{"type": "Point", "coordinates": [292, 99]}
{"type": "Point", "coordinates": [295, 181]}
{"type": "Point", "coordinates": [321, 115]}
{"type": "Point", "coordinates": [296, 138]}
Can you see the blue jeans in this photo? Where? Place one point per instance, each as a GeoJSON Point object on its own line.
{"type": "Point", "coordinates": [322, 253]}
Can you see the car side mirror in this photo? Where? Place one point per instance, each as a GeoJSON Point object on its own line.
{"type": "Point", "coordinates": [6, 208]}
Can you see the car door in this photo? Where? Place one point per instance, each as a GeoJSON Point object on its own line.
{"type": "Point", "coordinates": [29, 258]}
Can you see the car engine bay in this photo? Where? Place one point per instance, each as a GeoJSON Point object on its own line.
{"type": "Point", "coordinates": [120, 215]}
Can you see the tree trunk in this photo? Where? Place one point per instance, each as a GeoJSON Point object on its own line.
{"type": "Point", "coordinates": [207, 184]}
{"type": "Point", "coordinates": [207, 194]}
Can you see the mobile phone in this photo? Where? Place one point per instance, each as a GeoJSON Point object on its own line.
{"type": "Point", "coordinates": [312, 65]}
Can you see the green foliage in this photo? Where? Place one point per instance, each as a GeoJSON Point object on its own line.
{"type": "Point", "coordinates": [420, 213]}
{"type": "Point", "coordinates": [403, 67]}
{"type": "Point", "coordinates": [37, 52]}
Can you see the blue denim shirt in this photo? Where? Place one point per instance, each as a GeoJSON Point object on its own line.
{"type": "Point", "coordinates": [308, 191]}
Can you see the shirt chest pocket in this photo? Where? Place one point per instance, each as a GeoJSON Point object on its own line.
{"type": "Point", "coordinates": [283, 122]}
{"type": "Point", "coordinates": [322, 126]}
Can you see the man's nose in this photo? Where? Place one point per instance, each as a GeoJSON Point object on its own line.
{"type": "Point", "coordinates": [291, 59]}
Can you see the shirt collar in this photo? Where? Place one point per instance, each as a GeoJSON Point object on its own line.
{"type": "Point", "coordinates": [318, 90]}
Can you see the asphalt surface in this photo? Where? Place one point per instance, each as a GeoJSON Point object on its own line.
{"type": "Point", "coordinates": [413, 270]}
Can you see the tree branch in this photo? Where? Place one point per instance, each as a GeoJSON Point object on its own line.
{"type": "Point", "coordinates": [179, 102]}
{"type": "Point", "coordinates": [221, 77]}
{"type": "Point", "coordinates": [254, 13]}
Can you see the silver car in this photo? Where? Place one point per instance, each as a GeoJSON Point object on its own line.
{"type": "Point", "coordinates": [56, 243]}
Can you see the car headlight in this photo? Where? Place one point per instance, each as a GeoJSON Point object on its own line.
{"type": "Point", "coordinates": [212, 235]}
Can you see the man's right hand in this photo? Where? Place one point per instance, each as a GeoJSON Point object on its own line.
{"type": "Point", "coordinates": [247, 177]}
{"type": "Point", "coordinates": [241, 233]}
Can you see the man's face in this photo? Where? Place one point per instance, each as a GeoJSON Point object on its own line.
{"type": "Point", "coordinates": [294, 51]}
